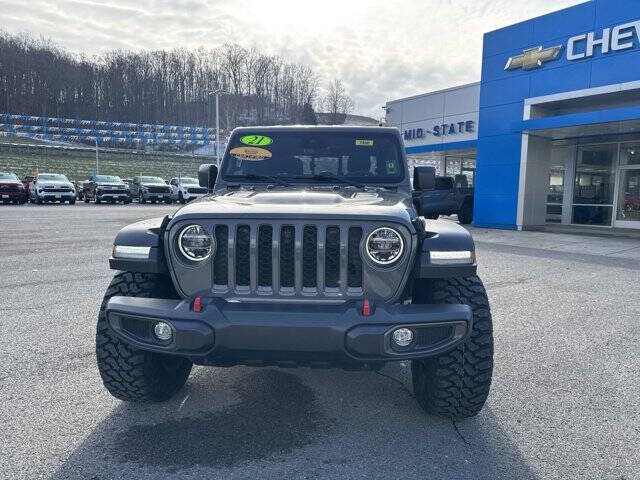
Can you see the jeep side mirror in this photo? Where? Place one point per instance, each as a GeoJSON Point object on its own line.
{"type": "Point", "coordinates": [424, 178]}
{"type": "Point", "coordinates": [207, 174]}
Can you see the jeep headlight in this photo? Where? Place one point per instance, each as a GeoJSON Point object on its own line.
{"type": "Point", "coordinates": [384, 246]}
{"type": "Point", "coordinates": [195, 243]}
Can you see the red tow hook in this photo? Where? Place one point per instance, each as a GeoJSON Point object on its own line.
{"type": "Point", "coordinates": [197, 304]}
{"type": "Point", "coordinates": [366, 308]}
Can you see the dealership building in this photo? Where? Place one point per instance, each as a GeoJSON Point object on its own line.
{"type": "Point", "coordinates": [551, 133]}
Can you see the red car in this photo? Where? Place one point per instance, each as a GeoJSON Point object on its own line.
{"type": "Point", "coordinates": [11, 189]}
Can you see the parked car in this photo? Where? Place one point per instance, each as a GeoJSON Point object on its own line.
{"type": "Point", "coordinates": [26, 181]}
{"type": "Point", "coordinates": [52, 187]}
{"type": "Point", "coordinates": [309, 252]}
{"type": "Point", "coordinates": [11, 189]}
{"type": "Point", "coordinates": [185, 189]}
{"type": "Point", "coordinates": [447, 196]}
{"type": "Point", "coordinates": [106, 188]}
{"type": "Point", "coordinates": [152, 189]}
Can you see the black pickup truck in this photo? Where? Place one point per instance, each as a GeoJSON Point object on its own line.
{"type": "Point", "coordinates": [447, 196]}
{"type": "Point", "coordinates": [308, 251]}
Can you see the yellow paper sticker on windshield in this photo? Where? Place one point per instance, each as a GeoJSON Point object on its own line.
{"type": "Point", "coordinates": [364, 143]}
{"type": "Point", "coordinates": [256, 140]}
{"type": "Point", "coordinates": [250, 154]}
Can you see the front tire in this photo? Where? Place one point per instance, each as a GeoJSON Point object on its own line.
{"type": "Point", "coordinates": [456, 384]}
{"type": "Point", "coordinates": [465, 215]}
{"type": "Point", "coordinates": [129, 373]}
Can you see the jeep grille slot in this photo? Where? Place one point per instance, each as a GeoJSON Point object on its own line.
{"type": "Point", "coordinates": [220, 264]}
{"type": "Point", "coordinates": [332, 258]}
{"type": "Point", "coordinates": [288, 260]}
{"type": "Point", "coordinates": [265, 267]}
{"type": "Point", "coordinates": [354, 262]}
{"type": "Point", "coordinates": [309, 257]}
{"type": "Point", "coordinates": [287, 254]}
{"type": "Point", "coordinates": [243, 268]}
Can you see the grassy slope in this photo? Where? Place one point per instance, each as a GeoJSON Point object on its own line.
{"type": "Point", "coordinates": [80, 165]}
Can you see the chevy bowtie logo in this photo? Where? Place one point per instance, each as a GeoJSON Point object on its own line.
{"type": "Point", "coordinates": [533, 58]}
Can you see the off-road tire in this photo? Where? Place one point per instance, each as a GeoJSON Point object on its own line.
{"type": "Point", "coordinates": [129, 373]}
{"type": "Point", "coordinates": [181, 198]}
{"type": "Point", "coordinates": [456, 384]}
{"type": "Point", "coordinates": [465, 215]}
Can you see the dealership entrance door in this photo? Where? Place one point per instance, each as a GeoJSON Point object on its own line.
{"type": "Point", "coordinates": [593, 183]}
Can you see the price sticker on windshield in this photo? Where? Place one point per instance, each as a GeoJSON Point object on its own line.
{"type": "Point", "coordinates": [256, 140]}
{"type": "Point", "coordinates": [364, 143]}
{"type": "Point", "coordinates": [250, 154]}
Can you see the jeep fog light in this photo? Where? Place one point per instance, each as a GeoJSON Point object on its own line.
{"type": "Point", "coordinates": [402, 337]}
{"type": "Point", "coordinates": [162, 331]}
{"type": "Point", "coordinates": [464, 257]}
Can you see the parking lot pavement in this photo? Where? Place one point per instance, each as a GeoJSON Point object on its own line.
{"type": "Point", "coordinates": [564, 402]}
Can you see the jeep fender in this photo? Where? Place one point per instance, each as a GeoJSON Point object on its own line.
{"type": "Point", "coordinates": [444, 236]}
{"type": "Point", "coordinates": [147, 233]}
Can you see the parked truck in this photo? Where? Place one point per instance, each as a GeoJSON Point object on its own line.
{"type": "Point", "coordinates": [446, 196]}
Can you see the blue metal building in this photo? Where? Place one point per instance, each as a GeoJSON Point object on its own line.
{"type": "Point", "coordinates": [559, 121]}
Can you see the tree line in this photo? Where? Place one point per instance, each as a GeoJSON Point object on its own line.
{"type": "Point", "coordinates": [162, 87]}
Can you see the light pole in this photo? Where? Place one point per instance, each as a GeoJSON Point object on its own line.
{"type": "Point", "coordinates": [217, 93]}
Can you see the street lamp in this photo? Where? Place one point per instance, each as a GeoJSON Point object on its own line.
{"type": "Point", "coordinates": [217, 93]}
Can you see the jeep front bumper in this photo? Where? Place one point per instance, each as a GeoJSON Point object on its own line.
{"type": "Point", "coordinates": [321, 335]}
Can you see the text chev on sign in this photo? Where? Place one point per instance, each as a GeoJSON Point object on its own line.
{"type": "Point", "coordinates": [611, 40]}
{"type": "Point", "coordinates": [468, 126]}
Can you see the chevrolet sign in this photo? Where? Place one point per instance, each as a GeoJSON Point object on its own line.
{"type": "Point", "coordinates": [580, 47]}
{"type": "Point", "coordinates": [533, 58]}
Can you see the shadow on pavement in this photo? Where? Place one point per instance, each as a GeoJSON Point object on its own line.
{"type": "Point", "coordinates": [269, 423]}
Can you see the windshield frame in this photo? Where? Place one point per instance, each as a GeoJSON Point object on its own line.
{"type": "Point", "coordinates": [294, 180]}
{"type": "Point", "coordinates": [62, 178]}
{"type": "Point", "coordinates": [111, 179]}
{"type": "Point", "coordinates": [191, 181]}
{"type": "Point", "coordinates": [145, 179]}
{"type": "Point", "coordinates": [8, 176]}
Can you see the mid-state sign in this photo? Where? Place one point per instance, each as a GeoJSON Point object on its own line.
{"type": "Point", "coordinates": [468, 126]}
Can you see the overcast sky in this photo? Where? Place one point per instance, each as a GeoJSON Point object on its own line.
{"type": "Point", "coordinates": [381, 49]}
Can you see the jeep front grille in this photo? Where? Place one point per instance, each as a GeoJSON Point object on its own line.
{"type": "Point", "coordinates": [288, 259]}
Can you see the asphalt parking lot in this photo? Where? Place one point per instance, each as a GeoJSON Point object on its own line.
{"type": "Point", "coordinates": [565, 400]}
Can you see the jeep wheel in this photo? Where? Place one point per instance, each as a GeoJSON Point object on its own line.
{"type": "Point", "coordinates": [456, 384]}
{"type": "Point", "coordinates": [86, 199]}
{"type": "Point", "coordinates": [129, 373]}
{"type": "Point", "coordinates": [465, 215]}
{"type": "Point", "coordinates": [180, 197]}
{"type": "Point", "coordinates": [72, 201]}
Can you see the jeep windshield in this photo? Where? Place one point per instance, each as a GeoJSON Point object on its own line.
{"type": "Point", "coordinates": [8, 176]}
{"type": "Point", "coordinates": [107, 179]}
{"type": "Point", "coordinates": [328, 157]}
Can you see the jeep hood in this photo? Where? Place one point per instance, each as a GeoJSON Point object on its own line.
{"type": "Point", "coordinates": [297, 203]}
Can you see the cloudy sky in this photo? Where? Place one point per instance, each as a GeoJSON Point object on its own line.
{"type": "Point", "coordinates": [381, 49]}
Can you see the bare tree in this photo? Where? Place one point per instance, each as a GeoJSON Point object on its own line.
{"type": "Point", "coordinates": [336, 101]}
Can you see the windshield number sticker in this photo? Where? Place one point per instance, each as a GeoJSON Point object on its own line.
{"type": "Point", "coordinates": [391, 167]}
{"type": "Point", "coordinates": [250, 154]}
{"type": "Point", "coordinates": [256, 140]}
{"type": "Point", "coordinates": [364, 143]}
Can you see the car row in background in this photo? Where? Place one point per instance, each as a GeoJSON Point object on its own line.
{"type": "Point", "coordinates": [55, 187]}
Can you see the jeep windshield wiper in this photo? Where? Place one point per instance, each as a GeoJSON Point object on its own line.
{"type": "Point", "coordinates": [256, 176]}
{"type": "Point", "coordinates": [332, 178]}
